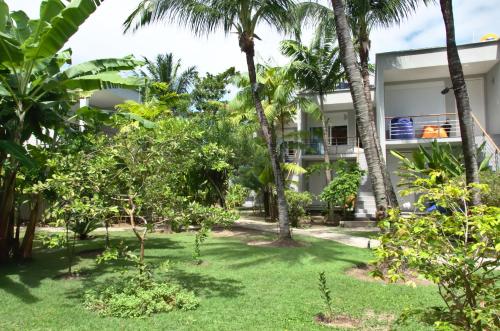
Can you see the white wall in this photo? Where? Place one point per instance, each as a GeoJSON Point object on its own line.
{"type": "Point", "coordinates": [414, 99]}
{"type": "Point", "coordinates": [393, 168]}
{"type": "Point", "coordinates": [493, 100]}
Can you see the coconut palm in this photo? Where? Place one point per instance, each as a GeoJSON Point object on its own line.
{"type": "Point", "coordinates": [363, 16]}
{"type": "Point", "coordinates": [164, 69]}
{"type": "Point", "coordinates": [462, 99]}
{"type": "Point", "coordinates": [281, 103]}
{"type": "Point", "coordinates": [242, 17]}
{"type": "Point", "coordinates": [316, 69]}
{"type": "Point", "coordinates": [361, 106]}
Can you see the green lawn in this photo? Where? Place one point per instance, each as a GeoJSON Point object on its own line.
{"type": "Point", "coordinates": [241, 288]}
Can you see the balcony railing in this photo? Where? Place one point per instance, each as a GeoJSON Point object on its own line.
{"type": "Point", "coordinates": [433, 126]}
{"type": "Point", "coordinates": [337, 146]}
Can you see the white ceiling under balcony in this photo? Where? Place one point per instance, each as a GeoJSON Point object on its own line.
{"type": "Point", "coordinates": [399, 75]}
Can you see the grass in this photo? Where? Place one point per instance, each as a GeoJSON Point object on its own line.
{"type": "Point", "coordinates": [241, 287]}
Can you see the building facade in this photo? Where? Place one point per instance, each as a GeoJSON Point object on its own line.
{"type": "Point", "coordinates": [415, 105]}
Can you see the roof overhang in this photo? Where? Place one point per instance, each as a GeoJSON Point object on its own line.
{"type": "Point", "coordinates": [432, 63]}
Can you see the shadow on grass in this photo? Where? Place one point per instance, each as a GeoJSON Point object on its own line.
{"type": "Point", "coordinates": [232, 252]}
{"type": "Point", "coordinates": [240, 255]}
{"type": "Point", "coordinates": [18, 278]}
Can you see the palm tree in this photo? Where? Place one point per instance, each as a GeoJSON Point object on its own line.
{"type": "Point", "coordinates": [462, 99]}
{"type": "Point", "coordinates": [361, 107]}
{"type": "Point", "coordinates": [280, 102]}
{"type": "Point", "coordinates": [165, 69]}
{"type": "Point", "coordinates": [316, 69]}
{"type": "Point", "coordinates": [323, 18]}
{"type": "Point", "coordinates": [242, 17]}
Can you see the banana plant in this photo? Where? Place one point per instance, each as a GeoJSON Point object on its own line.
{"type": "Point", "coordinates": [39, 86]}
{"type": "Point", "coordinates": [439, 158]}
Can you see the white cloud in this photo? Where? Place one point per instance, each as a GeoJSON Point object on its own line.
{"type": "Point", "coordinates": [101, 36]}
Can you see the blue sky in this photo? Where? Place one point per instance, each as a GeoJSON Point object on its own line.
{"type": "Point", "coordinates": [101, 36]}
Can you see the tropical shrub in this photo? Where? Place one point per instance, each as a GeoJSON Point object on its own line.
{"type": "Point", "coordinates": [492, 196]}
{"type": "Point", "coordinates": [82, 227]}
{"type": "Point", "coordinates": [297, 204]}
{"type": "Point", "coordinates": [458, 248]}
{"type": "Point", "coordinates": [138, 296]}
{"type": "Point", "coordinates": [342, 190]}
{"type": "Point", "coordinates": [236, 196]}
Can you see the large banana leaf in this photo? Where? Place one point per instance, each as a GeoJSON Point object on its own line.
{"type": "Point", "coordinates": [18, 152]}
{"type": "Point", "coordinates": [102, 65]}
{"type": "Point", "coordinates": [10, 51]}
{"type": "Point", "coordinates": [22, 21]}
{"type": "Point", "coordinates": [62, 26]}
{"type": "Point", "coordinates": [4, 14]}
{"type": "Point", "coordinates": [102, 80]}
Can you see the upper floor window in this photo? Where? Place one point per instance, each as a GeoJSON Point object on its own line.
{"type": "Point", "coordinates": [338, 135]}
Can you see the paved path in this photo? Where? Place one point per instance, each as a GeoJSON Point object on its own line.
{"type": "Point", "coordinates": [316, 232]}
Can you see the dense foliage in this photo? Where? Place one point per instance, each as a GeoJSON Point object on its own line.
{"type": "Point", "coordinates": [457, 247]}
{"type": "Point", "coordinates": [38, 88]}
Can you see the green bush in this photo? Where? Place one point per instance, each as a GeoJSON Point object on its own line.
{"type": "Point", "coordinates": [342, 190]}
{"type": "Point", "coordinates": [297, 203]}
{"type": "Point", "coordinates": [236, 196]}
{"type": "Point", "coordinates": [492, 196]}
{"type": "Point", "coordinates": [138, 296]}
{"type": "Point", "coordinates": [457, 248]}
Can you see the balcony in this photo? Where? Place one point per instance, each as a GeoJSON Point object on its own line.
{"type": "Point", "coordinates": [402, 130]}
{"type": "Point", "coordinates": [339, 147]}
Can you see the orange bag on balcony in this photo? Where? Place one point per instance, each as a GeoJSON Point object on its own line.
{"type": "Point", "coordinates": [434, 131]}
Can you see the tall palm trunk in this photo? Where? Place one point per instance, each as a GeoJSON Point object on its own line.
{"type": "Point", "coordinates": [462, 100]}
{"type": "Point", "coordinates": [324, 123]}
{"type": "Point", "coordinates": [364, 49]}
{"type": "Point", "coordinates": [247, 46]}
{"type": "Point", "coordinates": [361, 108]}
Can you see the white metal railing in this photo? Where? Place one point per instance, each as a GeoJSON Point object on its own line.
{"type": "Point", "coordinates": [336, 146]}
{"type": "Point", "coordinates": [431, 126]}
{"type": "Point", "coordinates": [490, 149]}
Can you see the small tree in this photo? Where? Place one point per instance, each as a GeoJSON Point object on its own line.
{"type": "Point", "coordinates": [297, 203]}
{"type": "Point", "coordinates": [457, 248]}
{"type": "Point", "coordinates": [342, 190]}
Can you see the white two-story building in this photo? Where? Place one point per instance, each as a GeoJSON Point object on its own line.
{"type": "Point", "coordinates": [415, 105]}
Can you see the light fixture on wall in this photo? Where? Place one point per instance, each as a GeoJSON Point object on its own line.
{"type": "Point", "coordinates": [446, 90]}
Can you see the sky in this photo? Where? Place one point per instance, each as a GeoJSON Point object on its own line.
{"type": "Point", "coordinates": [101, 35]}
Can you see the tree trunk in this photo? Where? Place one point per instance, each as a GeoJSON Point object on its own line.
{"type": "Point", "coordinates": [27, 245]}
{"type": "Point", "coordinates": [6, 206]}
{"type": "Point", "coordinates": [462, 100]}
{"type": "Point", "coordinates": [326, 154]}
{"type": "Point", "coordinates": [356, 86]}
{"type": "Point", "coordinates": [247, 46]}
{"type": "Point", "coordinates": [324, 123]}
{"type": "Point", "coordinates": [265, 202]}
{"type": "Point", "coordinates": [142, 239]}
{"type": "Point", "coordinates": [364, 52]}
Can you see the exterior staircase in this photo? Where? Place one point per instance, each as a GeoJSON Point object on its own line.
{"type": "Point", "coordinates": [489, 149]}
{"type": "Point", "coordinates": [365, 208]}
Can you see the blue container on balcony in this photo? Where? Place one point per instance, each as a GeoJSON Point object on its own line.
{"type": "Point", "coordinates": [402, 128]}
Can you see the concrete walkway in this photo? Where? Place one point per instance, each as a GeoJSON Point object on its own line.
{"type": "Point", "coordinates": [322, 232]}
